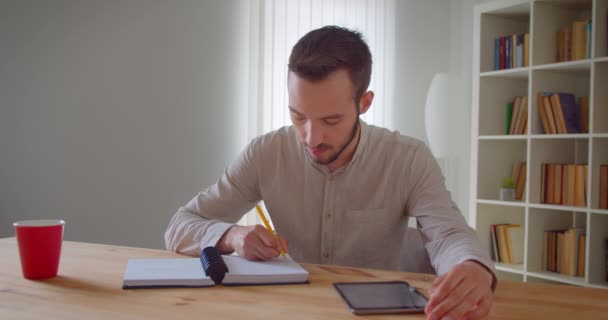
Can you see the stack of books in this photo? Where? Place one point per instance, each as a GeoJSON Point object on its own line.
{"type": "Point", "coordinates": [564, 184]}
{"type": "Point", "coordinates": [517, 116]}
{"type": "Point", "coordinates": [564, 251]}
{"type": "Point", "coordinates": [511, 51]}
{"type": "Point", "coordinates": [507, 243]}
{"type": "Point", "coordinates": [604, 188]}
{"type": "Point", "coordinates": [560, 114]}
{"type": "Point", "coordinates": [574, 42]}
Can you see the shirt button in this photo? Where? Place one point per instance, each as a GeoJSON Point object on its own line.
{"type": "Point", "coordinates": [330, 178]}
{"type": "Point", "coordinates": [328, 216]}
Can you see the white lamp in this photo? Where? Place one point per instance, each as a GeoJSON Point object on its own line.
{"type": "Point", "coordinates": [436, 115]}
{"type": "Point", "coordinates": [436, 119]}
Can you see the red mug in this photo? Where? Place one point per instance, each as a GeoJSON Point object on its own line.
{"type": "Point", "coordinates": [39, 244]}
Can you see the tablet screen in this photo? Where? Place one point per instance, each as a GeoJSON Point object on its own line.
{"type": "Point", "coordinates": [381, 297]}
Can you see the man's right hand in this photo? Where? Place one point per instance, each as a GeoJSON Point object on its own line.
{"type": "Point", "coordinates": [252, 242]}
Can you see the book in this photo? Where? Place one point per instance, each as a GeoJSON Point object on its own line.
{"type": "Point", "coordinates": [542, 113]}
{"type": "Point", "coordinates": [580, 269]}
{"type": "Point", "coordinates": [584, 114]}
{"type": "Point", "coordinates": [514, 62]}
{"type": "Point", "coordinates": [579, 40]}
{"type": "Point", "coordinates": [543, 183]}
{"type": "Point", "coordinates": [526, 49]}
{"type": "Point", "coordinates": [494, 243]}
{"type": "Point", "coordinates": [523, 121]}
{"type": "Point", "coordinates": [603, 186]}
{"type": "Point", "coordinates": [549, 192]}
{"type": "Point", "coordinates": [211, 269]}
{"type": "Point", "coordinates": [503, 48]}
{"type": "Point", "coordinates": [571, 185]}
{"type": "Point", "coordinates": [549, 112]}
{"type": "Point", "coordinates": [558, 114]}
{"type": "Point", "coordinates": [503, 248]}
{"type": "Point", "coordinates": [515, 114]}
{"type": "Point", "coordinates": [545, 255]}
{"type": "Point", "coordinates": [521, 114]}
{"type": "Point", "coordinates": [515, 243]}
{"type": "Point", "coordinates": [580, 186]}
{"type": "Point", "coordinates": [508, 116]}
{"type": "Point", "coordinates": [557, 186]}
{"type": "Point", "coordinates": [570, 111]}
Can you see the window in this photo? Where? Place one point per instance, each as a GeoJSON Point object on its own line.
{"type": "Point", "coordinates": [284, 22]}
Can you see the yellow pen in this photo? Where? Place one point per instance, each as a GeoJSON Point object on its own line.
{"type": "Point", "coordinates": [267, 224]}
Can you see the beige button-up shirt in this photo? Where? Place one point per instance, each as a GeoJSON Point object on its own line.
{"type": "Point", "coordinates": [355, 216]}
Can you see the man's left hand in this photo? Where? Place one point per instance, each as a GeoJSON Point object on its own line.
{"type": "Point", "coordinates": [465, 292]}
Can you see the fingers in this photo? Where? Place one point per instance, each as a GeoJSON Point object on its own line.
{"type": "Point", "coordinates": [266, 236]}
{"type": "Point", "coordinates": [446, 285]}
{"type": "Point", "coordinates": [462, 293]}
{"type": "Point", "coordinates": [257, 243]}
{"type": "Point", "coordinates": [461, 301]}
{"type": "Point", "coordinates": [482, 310]}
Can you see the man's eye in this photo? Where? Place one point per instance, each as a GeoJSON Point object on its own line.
{"type": "Point", "coordinates": [331, 122]}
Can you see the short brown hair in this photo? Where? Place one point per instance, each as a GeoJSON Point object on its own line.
{"type": "Point", "coordinates": [325, 50]}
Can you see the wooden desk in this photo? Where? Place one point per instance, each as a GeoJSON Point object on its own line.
{"type": "Point", "coordinates": [90, 280]}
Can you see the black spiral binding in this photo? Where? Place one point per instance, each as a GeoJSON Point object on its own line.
{"type": "Point", "coordinates": [214, 265]}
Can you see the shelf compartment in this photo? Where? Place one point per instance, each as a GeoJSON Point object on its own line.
{"type": "Point", "coordinates": [600, 157]}
{"type": "Point", "coordinates": [496, 161]}
{"type": "Point", "coordinates": [499, 23]}
{"type": "Point", "coordinates": [549, 18]}
{"type": "Point", "coordinates": [599, 29]}
{"type": "Point", "coordinates": [495, 94]}
{"type": "Point", "coordinates": [489, 214]}
{"type": "Point", "coordinates": [565, 151]}
{"type": "Point", "coordinates": [574, 81]}
{"type": "Point", "coordinates": [597, 242]}
{"type": "Point", "coordinates": [541, 220]}
{"type": "Point", "coordinates": [600, 98]}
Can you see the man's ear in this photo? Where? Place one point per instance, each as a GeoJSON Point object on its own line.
{"type": "Point", "coordinates": [365, 102]}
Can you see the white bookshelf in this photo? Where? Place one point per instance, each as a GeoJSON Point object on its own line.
{"type": "Point", "coordinates": [493, 153]}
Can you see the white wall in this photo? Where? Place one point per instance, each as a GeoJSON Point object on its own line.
{"type": "Point", "coordinates": [114, 113]}
{"type": "Point", "coordinates": [461, 67]}
{"type": "Point", "coordinates": [437, 36]}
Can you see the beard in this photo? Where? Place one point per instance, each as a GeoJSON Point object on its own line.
{"type": "Point", "coordinates": [342, 147]}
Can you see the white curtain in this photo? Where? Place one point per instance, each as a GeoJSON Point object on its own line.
{"type": "Point", "coordinates": [284, 22]}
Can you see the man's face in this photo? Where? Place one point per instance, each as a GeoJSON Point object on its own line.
{"type": "Point", "coordinates": [323, 113]}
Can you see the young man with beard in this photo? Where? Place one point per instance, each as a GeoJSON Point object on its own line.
{"type": "Point", "coordinates": [340, 190]}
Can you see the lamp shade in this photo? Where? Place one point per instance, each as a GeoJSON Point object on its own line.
{"type": "Point", "coordinates": [436, 115]}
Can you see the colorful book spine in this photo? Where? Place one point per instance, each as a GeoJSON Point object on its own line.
{"type": "Point", "coordinates": [497, 54]}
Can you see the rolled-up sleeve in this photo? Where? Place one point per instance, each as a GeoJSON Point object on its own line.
{"type": "Point", "coordinates": [449, 240]}
{"type": "Point", "coordinates": [204, 220]}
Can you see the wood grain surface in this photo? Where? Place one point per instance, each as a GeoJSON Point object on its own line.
{"type": "Point", "coordinates": [90, 278]}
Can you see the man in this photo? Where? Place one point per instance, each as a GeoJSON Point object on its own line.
{"type": "Point", "coordinates": [339, 190]}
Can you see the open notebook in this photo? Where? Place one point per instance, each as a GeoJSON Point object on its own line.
{"type": "Point", "coordinates": [192, 272]}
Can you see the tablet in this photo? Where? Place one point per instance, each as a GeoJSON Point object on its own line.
{"type": "Point", "coordinates": [381, 297]}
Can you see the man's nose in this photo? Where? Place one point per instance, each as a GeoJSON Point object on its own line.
{"type": "Point", "coordinates": [314, 134]}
